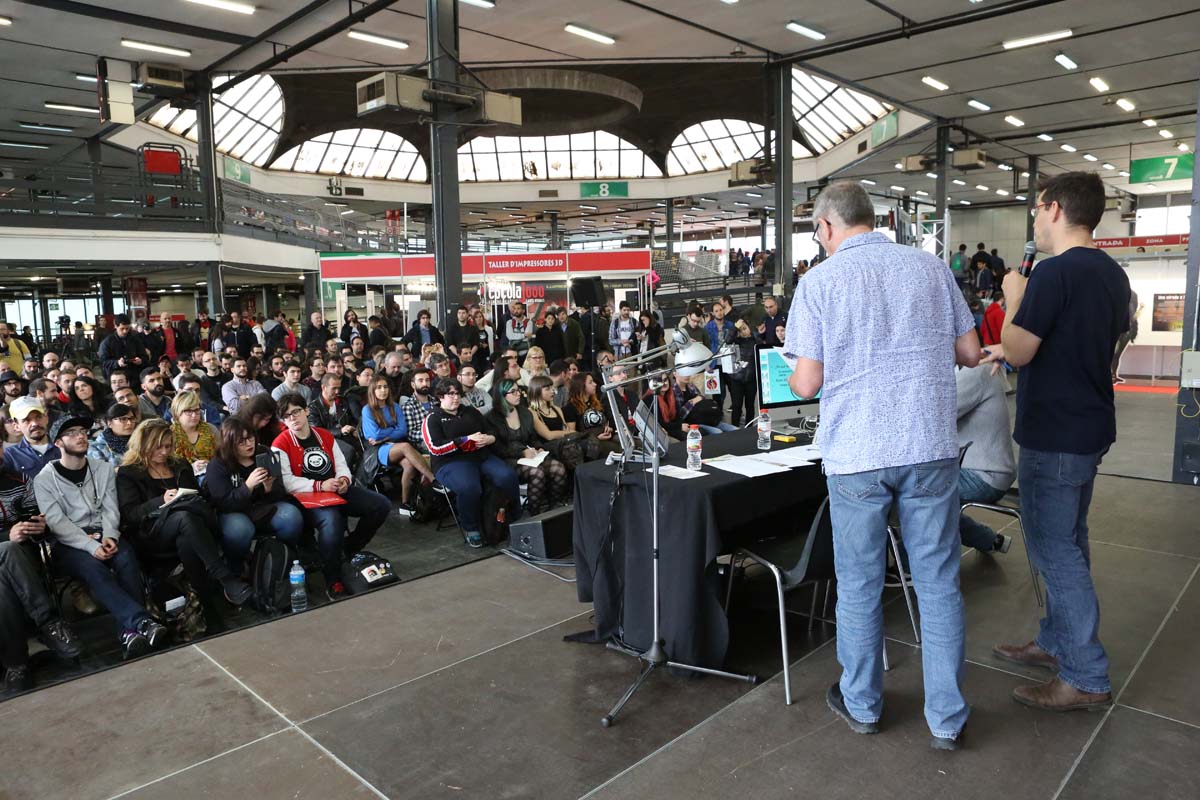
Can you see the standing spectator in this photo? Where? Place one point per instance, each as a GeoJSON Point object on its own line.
{"type": "Point", "coordinates": [461, 330]}
{"type": "Point", "coordinates": [1063, 326]}
{"type": "Point", "coordinates": [78, 499]}
{"type": "Point", "coordinates": [423, 332]}
{"type": "Point", "coordinates": [518, 331]}
{"type": "Point", "coordinates": [981, 261]}
{"type": "Point", "coordinates": [993, 320]}
{"type": "Point", "coordinates": [377, 335]}
{"type": "Point", "coordinates": [241, 388]}
{"type": "Point", "coordinates": [1127, 338]}
{"type": "Point", "coordinates": [960, 264]}
{"type": "Point", "coordinates": [853, 347]}
{"type": "Point", "coordinates": [485, 334]}
{"type": "Point", "coordinates": [775, 318]}
{"type": "Point", "coordinates": [621, 331]}
{"type": "Point", "coordinates": [275, 332]}
{"type": "Point", "coordinates": [998, 267]}
{"type": "Point", "coordinates": [649, 334]}
{"type": "Point", "coordinates": [311, 462]}
{"type": "Point", "coordinates": [122, 351]}
{"type": "Point", "coordinates": [316, 334]}
{"type": "Point", "coordinates": [260, 336]}
{"type": "Point", "coordinates": [743, 383]}
{"type": "Point", "coordinates": [720, 332]}
{"type": "Point", "coordinates": [202, 331]}
{"type": "Point", "coordinates": [551, 337]}
{"type": "Point", "coordinates": [239, 335]}
{"type": "Point", "coordinates": [34, 451]}
{"type": "Point", "coordinates": [351, 326]}
{"type": "Point", "coordinates": [27, 337]}
{"type": "Point", "coordinates": [572, 333]}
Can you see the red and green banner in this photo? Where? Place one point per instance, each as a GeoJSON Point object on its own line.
{"type": "Point", "coordinates": [376, 267]}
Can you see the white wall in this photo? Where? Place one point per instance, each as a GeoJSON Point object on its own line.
{"type": "Point", "coordinates": [1001, 228]}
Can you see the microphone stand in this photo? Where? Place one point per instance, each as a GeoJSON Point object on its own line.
{"type": "Point", "coordinates": [656, 655]}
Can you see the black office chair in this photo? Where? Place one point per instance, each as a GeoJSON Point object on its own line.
{"type": "Point", "coordinates": [796, 560]}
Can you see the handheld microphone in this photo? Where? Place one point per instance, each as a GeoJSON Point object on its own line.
{"type": "Point", "coordinates": [1027, 260]}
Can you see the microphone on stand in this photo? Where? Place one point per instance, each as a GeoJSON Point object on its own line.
{"type": "Point", "coordinates": [1027, 260]}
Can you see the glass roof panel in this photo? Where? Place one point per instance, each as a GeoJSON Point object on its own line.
{"type": "Point", "coordinates": [372, 156]}
{"type": "Point", "coordinates": [829, 114]}
{"type": "Point", "coordinates": [246, 119]}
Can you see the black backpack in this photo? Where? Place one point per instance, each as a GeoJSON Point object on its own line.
{"type": "Point", "coordinates": [269, 575]}
{"type": "Point", "coordinates": [365, 570]}
{"type": "Point", "coordinates": [496, 510]}
{"type": "Point", "coordinates": [430, 505]}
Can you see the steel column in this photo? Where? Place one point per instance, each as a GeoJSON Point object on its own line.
{"type": "Point", "coordinates": [312, 295]}
{"type": "Point", "coordinates": [783, 173]}
{"type": "Point", "coordinates": [1031, 194]}
{"type": "Point", "coordinates": [207, 156]}
{"type": "Point", "coordinates": [942, 167]}
{"type": "Point", "coordinates": [441, 18]}
{"type": "Point", "coordinates": [670, 227]}
{"type": "Point", "coordinates": [216, 290]}
{"type": "Point", "coordinates": [1187, 408]}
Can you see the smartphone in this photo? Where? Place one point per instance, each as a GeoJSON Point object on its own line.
{"type": "Point", "coordinates": [270, 462]}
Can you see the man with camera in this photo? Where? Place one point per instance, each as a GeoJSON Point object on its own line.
{"type": "Point", "coordinates": [124, 351]}
{"type": "Point", "coordinates": [1063, 322]}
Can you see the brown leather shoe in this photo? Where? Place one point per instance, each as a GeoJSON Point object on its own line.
{"type": "Point", "coordinates": [1029, 654]}
{"type": "Point", "coordinates": [1054, 695]}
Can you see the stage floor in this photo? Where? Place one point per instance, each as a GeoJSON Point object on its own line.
{"type": "Point", "coordinates": [459, 685]}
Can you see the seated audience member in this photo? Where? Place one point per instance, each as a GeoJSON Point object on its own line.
{"type": "Point", "coordinates": [166, 529]}
{"type": "Point", "coordinates": [11, 433]}
{"type": "Point", "coordinates": [417, 406]}
{"type": "Point", "coordinates": [23, 597]}
{"type": "Point", "coordinates": [334, 366]}
{"type": "Point", "coordinates": [242, 387]}
{"type": "Point", "coordinates": [473, 396]}
{"type": "Point", "coordinates": [469, 353]}
{"type": "Point", "coordinates": [312, 462]}
{"type": "Point", "coordinates": [78, 499]}
{"type": "Point", "coordinates": [550, 425]}
{"type": "Point", "coordinates": [511, 423]}
{"type": "Point", "coordinates": [249, 502]}
{"type": "Point", "coordinates": [559, 378]}
{"type": "Point", "coordinates": [688, 398]}
{"type": "Point", "coordinates": [462, 458]}
{"type": "Point", "coordinates": [196, 441]}
{"type": "Point", "coordinates": [154, 402]}
{"type": "Point", "coordinates": [316, 366]}
{"type": "Point", "coordinates": [261, 413]}
{"type": "Point", "coordinates": [211, 413]}
{"type": "Point", "coordinates": [116, 381]}
{"type": "Point", "coordinates": [439, 364]}
{"type": "Point", "coordinates": [355, 396]}
{"type": "Point", "coordinates": [126, 396]}
{"type": "Point", "coordinates": [504, 365]}
{"type": "Point", "coordinates": [50, 360]}
{"type": "Point", "coordinates": [329, 410]}
{"type": "Point", "coordinates": [272, 377]}
{"type": "Point", "coordinates": [34, 451]}
{"type": "Point", "coordinates": [212, 380]}
{"type": "Point", "coordinates": [12, 384]}
{"type": "Point", "coordinates": [585, 412]}
{"type": "Point", "coordinates": [46, 391]}
{"type": "Point", "coordinates": [110, 444]}
{"type": "Point", "coordinates": [535, 364]}
{"type": "Point", "coordinates": [88, 399]}
{"type": "Point", "coordinates": [65, 379]}
{"type": "Point", "coordinates": [293, 374]}
{"type": "Point", "coordinates": [32, 368]}
{"type": "Point", "coordinates": [385, 428]}
{"type": "Point", "coordinates": [184, 362]}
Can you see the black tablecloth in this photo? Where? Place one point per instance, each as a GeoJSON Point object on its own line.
{"type": "Point", "coordinates": [699, 519]}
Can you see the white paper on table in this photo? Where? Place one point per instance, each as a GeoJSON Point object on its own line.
{"type": "Point", "coordinates": [671, 471]}
{"type": "Point", "coordinates": [782, 458]}
{"type": "Point", "coordinates": [748, 466]}
{"type": "Point", "coordinates": [534, 462]}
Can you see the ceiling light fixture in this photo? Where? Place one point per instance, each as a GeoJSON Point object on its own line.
{"type": "Point", "coordinates": [226, 5]}
{"type": "Point", "coordinates": [1125, 104]}
{"type": "Point", "coordinates": [1089, 157]}
{"type": "Point", "coordinates": [1065, 61]}
{"type": "Point", "coordinates": [1002, 193]}
{"type": "Point", "coordinates": [931, 175]}
{"type": "Point", "coordinates": [1106, 165]}
{"type": "Point", "coordinates": [1151, 186]}
{"type": "Point", "coordinates": [71, 107]}
{"type": "Point", "coordinates": [896, 188]}
{"type": "Point", "coordinates": [5, 21]}
{"type": "Point", "coordinates": [1020, 197]}
{"type": "Point", "coordinates": [37, 126]}
{"type": "Point", "coordinates": [982, 188]}
{"type": "Point", "coordinates": [1149, 123]}
{"type": "Point", "coordinates": [1006, 167]}
{"type": "Point", "coordinates": [595, 36]}
{"type": "Point", "coordinates": [1070, 148]}
{"type": "Point", "coordinates": [1166, 134]}
{"type": "Point", "coordinates": [740, 203]}
{"type": "Point", "coordinates": [964, 202]}
{"type": "Point", "coordinates": [25, 145]}
{"type": "Point", "coordinates": [973, 103]}
{"type": "Point", "coordinates": [1041, 38]}
{"type": "Point", "coordinates": [929, 80]}
{"type": "Point", "coordinates": [921, 193]}
{"type": "Point", "coordinates": [479, 3]}
{"type": "Point", "coordinates": [133, 44]}
{"type": "Point", "coordinates": [1182, 147]}
{"type": "Point", "coordinates": [957, 182]}
{"type": "Point", "coordinates": [1045, 137]}
{"type": "Point", "coordinates": [702, 199]}
{"type": "Point", "coordinates": [753, 194]}
{"type": "Point", "coordinates": [1016, 122]}
{"type": "Point", "coordinates": [804, 30]}
{"type": "Point", "coordinates": [588, 208]}
{"type": "Point", "coordinates": [867, 181]}
{"type": "Point", "coordinates": [898, 165]}
{"type": "Point", "coordinates": [386, 41]}
{"type": "Point", "coordinates": [1098, 84]}
{"type": "Point", "coordinates": [1123, 174]}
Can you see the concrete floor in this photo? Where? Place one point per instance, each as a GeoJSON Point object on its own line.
{"type": "Point", "coordinates": [460, 685]}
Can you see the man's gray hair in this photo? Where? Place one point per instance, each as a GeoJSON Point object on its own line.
{"type": "Point", "coordinates": [847, 203]}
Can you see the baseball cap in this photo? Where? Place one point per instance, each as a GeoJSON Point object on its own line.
{"type": "Point", "coordinates": [22, 407]}
{"type": "Point", "coordinates": [70, 421]}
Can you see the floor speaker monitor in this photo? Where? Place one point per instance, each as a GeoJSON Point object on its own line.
{"type": "Point", "coordinates": [546, 535]}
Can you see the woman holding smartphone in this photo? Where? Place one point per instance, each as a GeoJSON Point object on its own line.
{"type": "Point", "coordinates": [249, 500]}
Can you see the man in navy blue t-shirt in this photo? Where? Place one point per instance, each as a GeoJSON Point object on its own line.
{"type": "Point", "coordinates": [1062, 325]}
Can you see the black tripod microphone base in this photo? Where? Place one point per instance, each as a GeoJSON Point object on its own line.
{"type": "Point", "coordinates": [656, 655]}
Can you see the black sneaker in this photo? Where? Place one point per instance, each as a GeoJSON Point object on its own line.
{"type": "Point", "coordinates": [474, 540]}
{"type": "Point", "coordinates": [155, 634]}
{"type": "Point", "coordinates": [60, 639]}
{"type": "Point", "coordinates": [406, 510]}
{"type": "Point", "coordinates": [1003, 542]}
{"type": "Point", "coordinates": [18, 679]}
{"type": "Point", "coordinates": [237, 591]}
{"type": "Point", "coordinates": [135, 644]}
{"type": "Point", "coordinates": [949, 745]}
{"type": "Point", "coordinates": [837, 705]}
{"type": "Point", "coordinates": [437, 487]}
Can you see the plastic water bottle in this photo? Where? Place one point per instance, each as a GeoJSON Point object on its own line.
{"type": "Point", "coordinates": [693, 448]}
{"type": "Point", "coordinates": [299, 590]}
{"type": "Point", "coordinates": [764, 430]}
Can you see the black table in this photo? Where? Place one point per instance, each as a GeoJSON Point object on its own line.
{"type": "Point", "coordinates": [699, 519]}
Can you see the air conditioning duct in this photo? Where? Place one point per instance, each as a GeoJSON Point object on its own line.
{"type": "Point", "coordinates": [968, 159]}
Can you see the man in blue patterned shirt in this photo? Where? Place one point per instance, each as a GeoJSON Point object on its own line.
{"type": "Point", "coordinates": [878, 329]}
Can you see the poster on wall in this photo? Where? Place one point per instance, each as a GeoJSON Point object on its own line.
{"type": "Point", "coordinates": [1168, 313]}
{"type": "Point", "coordinates": [138, 305]}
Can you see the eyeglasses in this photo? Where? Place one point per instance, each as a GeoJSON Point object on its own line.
{"type": "Point", "coordinates": [1033, 212]}
{"type": "Point", "coordinates": [514, 390]}
{"type": "Point", "coordinates": [246, 440]}
{"type": "Point", "coordinates": [126, 418]}
{"type": "Point", "coordinates": [190, 411]}
{"type": "Point", "coordinates": [293, 414]}
{"type": "Point", "coordinates": [72, 433]}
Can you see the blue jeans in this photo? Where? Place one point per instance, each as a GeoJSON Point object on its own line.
{"type": "Point", "coordinates": [926, 497]}
{"type": "Point", "coordinates": [237, 532]}
{"type": "Point", "coordinates": [1056, 490]}
{"type": "Point", "coordinates": [332, 524]}
{"type": "Point", "coordinates": [720, 427]}
{"type": "Point", "coordinates": [116, 583]}
{"type": "Point", "coordinates": [465, 476]}
{"type": "Point", "coordinates": [972, 488]}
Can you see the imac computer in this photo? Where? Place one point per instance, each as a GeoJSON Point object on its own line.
{"type": "Point", "coordinates": [773, 370]}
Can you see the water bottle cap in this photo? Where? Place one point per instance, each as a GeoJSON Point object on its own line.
{"type": "Point", "coordinates": [695, 427]}
{"type": "Point", "coordinates": [296, 563]}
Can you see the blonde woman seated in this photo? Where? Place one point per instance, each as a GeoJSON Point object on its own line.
{"type": "Point", "coordinates": [551, 425]}
{"type": "Point", "coordinates": [535, 364]}
{"type": "Point", "coordinates": [196, 441]}
{"type": "Point", "coordinates": [385, 428]}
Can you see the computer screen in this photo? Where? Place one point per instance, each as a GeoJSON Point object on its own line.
{"type": "Point", "coordinates": [773, 371]}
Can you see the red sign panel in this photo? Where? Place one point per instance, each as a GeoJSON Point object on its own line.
{"type": "Point", "coordinates": [610, 261]}
{"type": "Point", "coordinates": [1144, 241]}
{"type": "Point", "coordinates": [526, 263]}
{"type": "Point", "coordinates": [474, 266]}
{"type": "Point", "coordinates": [359, 268]}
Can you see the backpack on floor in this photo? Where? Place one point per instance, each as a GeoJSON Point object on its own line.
{"type": "Point", "coordinates": [365, 570]}
{"type": "Point", "coordinates": [430, 505]}
{"type": "Point", "coordinates": [496, 509]}
{"type": "Point", "coordinates": [269, 575]}
{"type": "Point", "coordinates": [172, 601]}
